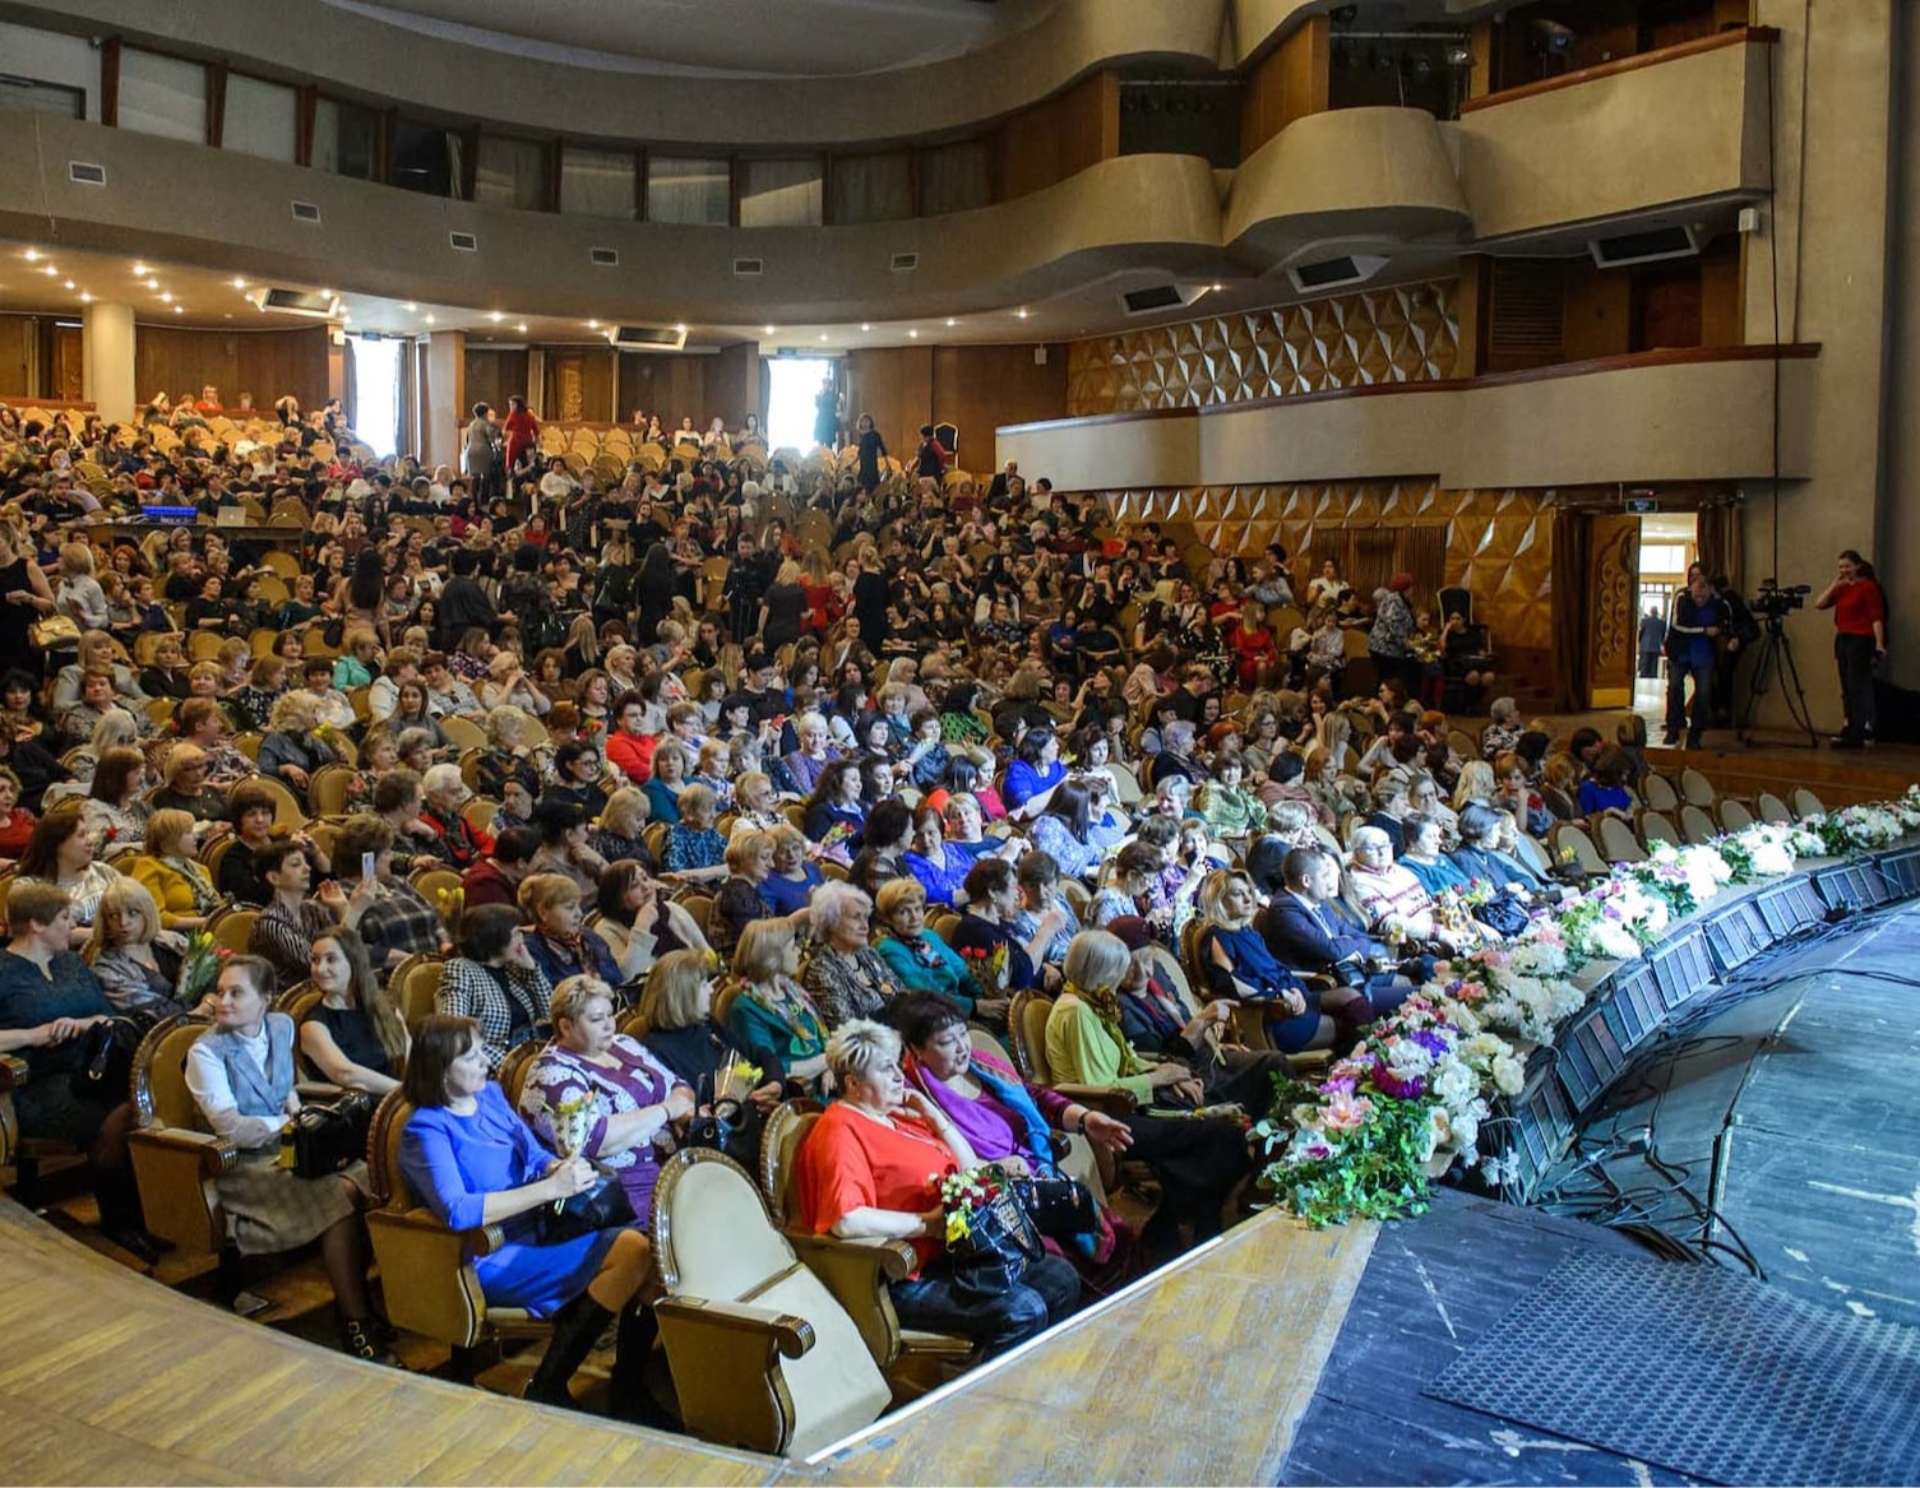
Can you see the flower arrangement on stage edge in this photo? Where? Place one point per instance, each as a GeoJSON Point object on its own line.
{"type": "Point", "coordinates": [1369, 1139]}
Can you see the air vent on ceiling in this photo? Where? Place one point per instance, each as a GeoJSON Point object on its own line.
{"type": "Point", "coordinates": [1335, 273]}
{"type": "Point", "coordinates": [905, 263]}
{"type": "Point", "coordinates": [648, 338]}
{"type": "Point", "coordinates": [605, 258]}
{"type": "Point", "coordinates": [306, 212]}
{"type": "Point", "coordinates": [86, 173]}
{"type": "Point", "coordinates": [463, 242]}
{"type": "Point", "coordinates": [747, 267]}
{"type": "Point", "coordinates": [1155, 297]}
{"type": "Point", "coordinates": [1645, 247]}
{"type": "Point", "coordinates": [304, 302]}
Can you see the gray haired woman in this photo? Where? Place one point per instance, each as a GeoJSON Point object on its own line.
{"type": "Point", "coordinates": [846, 977]}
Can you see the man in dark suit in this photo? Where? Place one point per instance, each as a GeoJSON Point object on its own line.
{"type": "Point", "coordinates": [1306, 927]}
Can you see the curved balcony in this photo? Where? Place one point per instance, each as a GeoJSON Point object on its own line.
{"type": "Point", "coordinates": [1670, 416]}
{"type": "Point", "coordinates": [357, 56]}
{"type": "Point", "coordinates": [1355, 177]}
{"type": "Point", "coordinates": [1157, 212]}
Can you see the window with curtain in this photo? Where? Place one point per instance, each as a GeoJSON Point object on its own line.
{"type": "Point", "coordinates": [346, 139]}
{"type": "Point", "coordinates": [782, 193]}
{"type": "Point", "coordinates": [163, 96]}
{"type": "Point", "coordinates": [954, 178]}
{"type": "Point", "coordinates": [260, 118]}
{"type": "Point", "coordinates": [511, 173]}
{"type": "Point", "coordinates": [872, 188]}
{"type": "Point", "coordinates": [48, 72]}
{"type": "Point", "coordinates": [685, 190]}
{"type": "Point", "coordinates": [596, 183]}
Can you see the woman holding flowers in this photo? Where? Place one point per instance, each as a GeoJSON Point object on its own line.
{"type": "Point", "coordinates": [873, 1167]}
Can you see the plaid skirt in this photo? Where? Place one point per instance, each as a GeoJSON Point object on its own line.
{"type": "Point", "coordinates": [269, 1209]}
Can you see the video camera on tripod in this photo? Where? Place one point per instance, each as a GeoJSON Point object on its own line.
{"type": "Point", "coordinates": [1773, 603]}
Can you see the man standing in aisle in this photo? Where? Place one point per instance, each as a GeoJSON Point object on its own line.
{"type": "Point", "coordinates": [1692, 643]}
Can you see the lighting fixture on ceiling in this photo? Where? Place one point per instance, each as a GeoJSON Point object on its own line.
{"type": "Point", "coordinates": [521, 328]}
{"type": "Point", "coordinates": [866, 325]}
{"type": "Point", "coordinates": [766, 330]}
{"type": "Point", "coordinates": [495, 316]}
{"type": "Point", "coordinates": [429, 320]}
{"type": "Point", "coordinates": [680, 329]}
{"type": "Point", "coordinates": [951, 321]}
{"type": "Point", "coordinates": [593, 325]}
{"type": "Point", "coordinates": [51, 272]}
{"type": "Point", "coordinates": [239, 284]}
{"type": "Point", "coordinates": [1022, 313]}
{"type": "Point", "coordinates": [411, 308]}
{"type": "Point", "coordinates": [823, 335]}
{"type": "Point", "coordinates": [166, 299]}
{"type": "Point", "coordinates": [327, 292]}
{"type": "Point", "coordinates": [140, 271]}
{"type": "Point", "coordinates": [72, 285]}
{"type": "Point", "coordinates": [913, 335]}
{"type": "Point", "coordinates": [179, 309]}
{"type": "Point", "coordinates": [85, 298]}
{"type": "Point", "coordinates": [32, 255]}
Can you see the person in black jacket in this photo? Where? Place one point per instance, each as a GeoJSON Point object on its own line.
{"type": "Point", "coordinates": [1307, 928]}
{"type": "Point", "coordinates": [748, 578]}
{"type": "Point", "coordinates": [464, 604]}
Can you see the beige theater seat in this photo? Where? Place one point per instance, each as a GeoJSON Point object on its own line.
{"type": "Point", "coordinates": [762, 1355]}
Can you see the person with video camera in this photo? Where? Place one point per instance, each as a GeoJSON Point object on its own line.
{"type": "Point", "coordinates": [1698, 618]}
{"type": "Point", "coordinates": [1859, 608]}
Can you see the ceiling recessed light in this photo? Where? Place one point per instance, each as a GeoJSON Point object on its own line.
{"type": "Point", "coordinates": [1218, 287]}
{"type": "Point", "coordinates": [593, 325]}
{"type": "Point", "coordinates": [32, 255]}
{"type": "Point", "coordinates": [823, 335]}
{"type": "Point", "coordinates": [410, 307]}
{"type": "Point", "coordinates": [179, 309]}
{"type": "Point", "coordinates": [140, 271]}
{"type": "Point", "coordinates": [766, 330]}
{"type": "Point", "coordinates": [1023, 313]}
{"type": "Point", "coordinates": [866, 325]}
{"type": "Point", "coordinates": [914, 334]}
{"type": "Point", "coordinates": [680, 330]}
{"type": "Point", "coordinates": [72, 285]}
{"type": "Point", "coordinates": [496, 316]}
{"type": "Point", "coordinates": [327, 293]}
{"type": "Point", "coordinates": [166, 299]}
{"type": "Point", "coordinates": [430, 320]}
{"type": "Point", "coordinates": [153, 284]}
{"type": "Point", "coordinates": [239, 284]}
{"type": "Point", "coordinates": [521, 328]}
{"type": "Point", "coordinates": [951, 321]}
{"type": "Point", "coordinates": [85, 298]}
{"type": "Point", "coordinates": [51, 272]}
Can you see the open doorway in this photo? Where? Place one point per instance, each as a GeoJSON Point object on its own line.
{"type": "Point", "coordinates": [1668, 543]}
{"type": "Point", "coordinates": [793, 394]}
{"type": "Point", "coordinates": [376, 391]}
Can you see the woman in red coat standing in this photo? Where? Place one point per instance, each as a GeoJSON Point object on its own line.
{"type": "Point", "coordinates": [522, 430]}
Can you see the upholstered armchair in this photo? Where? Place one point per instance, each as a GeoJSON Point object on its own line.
{"type": "Point", "coordinates": [763, 1356]}
{"type": "Point", "coordinates": [175, 1158]}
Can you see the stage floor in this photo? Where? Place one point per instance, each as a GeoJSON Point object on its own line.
{"type": "Point", "coordinates": [1788, 1110]}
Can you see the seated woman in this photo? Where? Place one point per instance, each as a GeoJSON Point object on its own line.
{"type": "Point", "coordinates": [884, 847]}
{"type": "Point", "coordinates": [16, 821]}
{"type": "Point", "coordinates": [920, 960]}
{"type": "Point", "coordinates": [805, 764]}
{"type": "Point", "coordinates": [1035, 772]}
{"type": "Point", "coordinates": [986, 937]}
{"type": "Point", "coordinates": [871, 1168]}
{"type": "Point", "coordinates": [473, 1162]}
{"type": "Point", "coordinates": [354, 1036]}
{"type": "Point", "coordinates": [1004, 1119]}
{"type": "Point", "coordinates": [48, 1001]}
{"type": "Point", "coordinates": [835, 817]}
{"type": "Point", "coordinates": [621, 833]}
{"type": "Point", "coordinates": [241, 1075]}
{"type": "Point", "coordinates": [1483, 853]}
{"type": "Point", "coordinates": [668, 780]}
{"type": "Point", "coordinates": [634, 1099]}
{"type": "Point", "coordinates": [846, 977]}
{"type": "Point", "coordinates": [638, 922]}
{"type": "Point", "coordinates": [769, 1010]}
{"type": "Point", "coordinates": [494, 983]}
{"type": "Point", "coordinates": [187, 789]}
{"type": "Point", "coordinates": [1064, 831]}
{"type": "Point", "coordinates": [1198, 1161]}
{"type": "Point", "coordinates": [292, 749]}
{"type": "Point", "coordinates": [681, 1034]}
{"type": "Point", "coordinates": [695, 850]}
{"type": "Point", "coordinates": [1239, 967]}
{"type": "Point", "coordinates": [554, 938]}
{"type": "Point", "coordinates": [167, 868]}
{"type": "Point", "coordinates": [940, 868]}
{"type": "Point", "coordinates": [1390, 899]}
{"type": "Point", "coordinates": [126, 962]}
{"type": "Point", "coordinates": [61, 853]}
{"type": "Point", "coordinates": [1424, 796]}
{"type": "Point", "coordinates": [1424, 860]}
{"type": "Point", "coordinates": [740, 901]}
{"type": "Point", "coordinates": [1227, 807]}
{"type": "Point", "coordinates": [792, 879]}
{"type": "Point", "coordinates": [1605, 788]}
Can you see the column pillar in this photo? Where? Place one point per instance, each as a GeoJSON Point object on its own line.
{"type": "Point", "coordinates": [446, 400]}
{"type": "Point", "coordinates": [106, 335]}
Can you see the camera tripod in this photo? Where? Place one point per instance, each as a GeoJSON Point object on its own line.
{"type": "Point", "coordinates": [1775, 662]}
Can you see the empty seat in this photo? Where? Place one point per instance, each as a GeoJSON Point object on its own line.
{"type": "Point", "coordinates": [1774, 810]}
{"type": "Point", "coordinates": [1696, 826]}
{"type": "Point", "coordinates": [1617, 842]}
{"type": "Point", "coordinates": [1806, 804]}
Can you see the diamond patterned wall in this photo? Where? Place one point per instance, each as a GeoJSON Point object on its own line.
{"type": "Point", "coordinates": [1499, 543]}
{"type": "Point", "coordinates": [1407, 333]}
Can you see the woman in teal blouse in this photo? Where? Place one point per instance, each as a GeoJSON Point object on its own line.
{"type": "Point", "coordinates": [920, 960]}
{"type": "Point", "coordinates": [767, 1009]}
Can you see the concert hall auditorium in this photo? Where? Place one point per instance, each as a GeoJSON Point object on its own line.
{"type": "Point", "coordinates": [853, 742]}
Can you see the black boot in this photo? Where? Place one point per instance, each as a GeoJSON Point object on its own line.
{"type": "Point", "coordinates": [575, 1331]}
{"type": "Point", "coordinates": [629, 1398]}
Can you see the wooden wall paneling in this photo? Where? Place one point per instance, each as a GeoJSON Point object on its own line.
{"type": "Point", "coordinates": [895, 385]}
{"type": "Point", "coordinates": [1599, 312]}
{"type": "Point", "coordinates": [1612, 611]}
{"type": "Point", "coordinates": [267, 364]}
{"type": "Point", "coordinates": [492, 375]}
{"type": "Point", "coordinates": [1291, 82]}
{"type": "Point", "coordinates": [1723, 298]}
{"type": "Point", "coordinates": [16, 355]}
{"type": "Point", "coordinates": [733, 383]}
{"type": "Point", "coordinates": [66, 373]}
{"type": "Point", "coordinates": [978, 388]}
{"type": "Point", "coordinates": [1045, 144]}
{"type": "Point", "coordinates": [1665, 306]}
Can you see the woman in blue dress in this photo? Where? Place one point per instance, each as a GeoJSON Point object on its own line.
{"type": "Point", "coordinates": [1236, 962]}
{"type": "Point", "coordinates": [474, 1162]}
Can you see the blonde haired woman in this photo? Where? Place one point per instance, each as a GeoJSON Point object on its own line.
{"type": "Point", "coordinates": [121, 952]}
{"type": "Point", "coordinates": [678, 1009]}
{"type": "Point", "coordinates": [98, 653]}
{"type": "Point", "coordinates": [1198, 1162]}
{"type": "Point", "coordinates": [770, 1011]}
{"type": "Point", "coordinates": [166, 867]}
{"type": "Point", "coordinates": [291, 750]}
{"type": "Point", "coordinates": [79, 596]}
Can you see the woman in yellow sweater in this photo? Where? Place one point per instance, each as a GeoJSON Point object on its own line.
{"type": "Point", "coordinates": [1198, 1160]}
{"type": "Point", "coordinates": [167, 869]}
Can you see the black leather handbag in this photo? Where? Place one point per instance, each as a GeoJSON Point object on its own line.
{"type": "Point", "coordinates": [1060, 1208]}
{"type": "Point", "coordinates": [327, 1137]}
{"type": "Point", "coordinates": [996, 1252]}
{"type": "Point", "coordinates": [106, 1062]}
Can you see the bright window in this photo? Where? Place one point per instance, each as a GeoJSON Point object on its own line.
{"type": "Point", "coordinates": [793, 392]}
{"type": "Point", "coordinates": [376, 392]}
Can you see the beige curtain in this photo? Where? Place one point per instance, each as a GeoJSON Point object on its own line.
{"type": "Point", "coordinates": [1720, 536]}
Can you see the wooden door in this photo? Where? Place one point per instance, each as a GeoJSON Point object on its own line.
{"type": "Point", "coordinates": [1612, 610]}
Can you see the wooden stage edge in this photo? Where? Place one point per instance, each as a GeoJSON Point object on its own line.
{"type": "Point", "coordinates": [1200, 1374]}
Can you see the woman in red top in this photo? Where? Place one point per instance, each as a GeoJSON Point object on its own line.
{"type": "Point", "coordinates": [871, 1169]}
{"type": "Point", "coordinates": [1859, 640]}
{"type": "Point", "coordinates": [522, 430]}
{"type": "Point", "coordinates": [16, 822]}
{"type": "Point", "coordinates": [1253, 645]}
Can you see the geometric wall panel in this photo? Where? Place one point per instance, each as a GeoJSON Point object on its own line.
{"type": "Point", "coordinates": [1404, 333]}
{"type": "Point", "coordinates": [1499, 543]}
